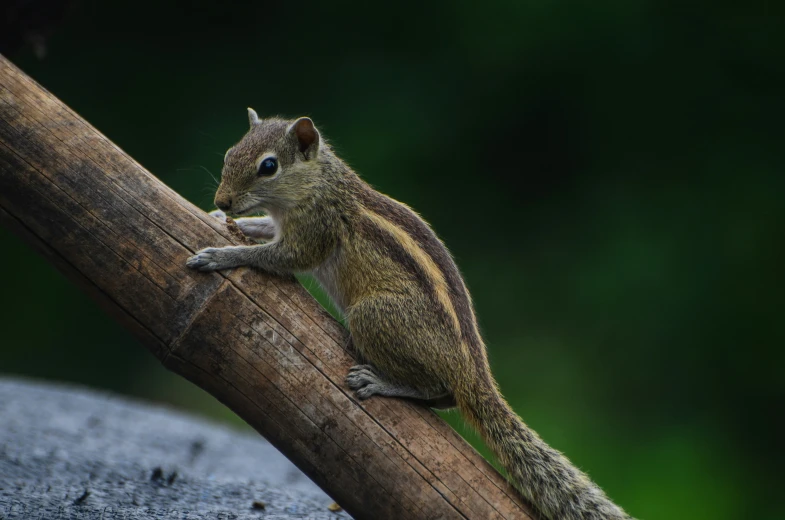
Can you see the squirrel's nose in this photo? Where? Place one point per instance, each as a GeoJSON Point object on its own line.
{"type": "Point", "coordinates": [223, 203]}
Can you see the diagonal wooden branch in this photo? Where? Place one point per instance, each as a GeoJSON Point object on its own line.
{"type": "Point", "coordinates": [258, 343]}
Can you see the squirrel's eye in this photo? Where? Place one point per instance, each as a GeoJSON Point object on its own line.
{"type": "Point", "coordinates": [268, 166]}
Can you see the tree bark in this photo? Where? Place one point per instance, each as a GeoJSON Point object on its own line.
{"type": "Point", "coordinates": [261, 344]}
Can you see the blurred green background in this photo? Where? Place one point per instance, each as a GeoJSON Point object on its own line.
{"type": "Point", "coordinates": [610, 178]}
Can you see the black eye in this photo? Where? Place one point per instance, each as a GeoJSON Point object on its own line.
{"type": "Point", "coordinates": [268, 166]}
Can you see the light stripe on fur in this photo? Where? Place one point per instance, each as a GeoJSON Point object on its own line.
{"type": "Point", "coordinates": [421, 257]}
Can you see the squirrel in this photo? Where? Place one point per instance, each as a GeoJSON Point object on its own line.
{"type": "Point", "coordinates": [409, 313]}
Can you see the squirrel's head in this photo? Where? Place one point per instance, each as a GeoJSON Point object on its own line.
{"type": "Point", "coordinates": [274, 167]}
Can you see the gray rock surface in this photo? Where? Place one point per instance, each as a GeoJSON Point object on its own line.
{"type": "Point", "coordinates": [74, 453]}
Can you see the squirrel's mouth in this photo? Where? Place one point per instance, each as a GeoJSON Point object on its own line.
{"type": "Point", "coordinates": [256, 208]}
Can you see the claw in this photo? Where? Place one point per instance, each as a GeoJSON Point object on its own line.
{"type": "Point", "coordinates": [205, 260]}
{"type": "Point", "coordinates": [200, 260]}
{"type": "Point", "coordinates": [363, 380]}
{"type": "Point", "coordinates": [367, 391]}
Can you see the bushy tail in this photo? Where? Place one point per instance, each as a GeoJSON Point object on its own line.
{"type": "Point", "coordinates": [544, 476]}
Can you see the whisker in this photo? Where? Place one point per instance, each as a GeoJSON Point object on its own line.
{"type": "Point", "coordinates": [209, 173]}
{"type": "Point", "coordinates": [206, 201]}
{"type": "Point", "coordinates": [191, 168]}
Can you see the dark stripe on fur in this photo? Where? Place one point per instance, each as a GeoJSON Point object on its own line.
{"type": "Point", "coordinates": [398, 253]}
{"type": "Point", "coordinates": [407, 220]}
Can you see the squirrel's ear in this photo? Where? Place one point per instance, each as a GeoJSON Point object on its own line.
{"type": "Point", "coordinates": [253, 118]}
{"type": "Point", "coordinates": [306, 135]}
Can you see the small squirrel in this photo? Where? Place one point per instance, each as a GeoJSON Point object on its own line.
{"type": "Point", "coordinates": [409, 313]}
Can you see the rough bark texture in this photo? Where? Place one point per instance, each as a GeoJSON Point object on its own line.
{"type": "Point", "coordinates": [258, 343]}
{"type": "Point", "coordinates": [72, 453]}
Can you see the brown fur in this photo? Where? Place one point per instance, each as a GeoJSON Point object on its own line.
{"type": "Point", "coordinates": [407, 307]}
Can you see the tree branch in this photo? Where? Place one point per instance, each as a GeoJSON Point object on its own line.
{"type": "Point", "coordinates": [258, 343]}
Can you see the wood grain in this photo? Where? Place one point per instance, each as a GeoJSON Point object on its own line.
{"type": "Point", "coordinates": [260, 344]}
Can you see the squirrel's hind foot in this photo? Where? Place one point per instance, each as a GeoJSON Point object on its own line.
{"type": "Point", "coordinates": [367, 382]}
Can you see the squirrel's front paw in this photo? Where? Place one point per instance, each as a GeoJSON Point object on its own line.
{"type": "Point", "coordinates": [213, 259]}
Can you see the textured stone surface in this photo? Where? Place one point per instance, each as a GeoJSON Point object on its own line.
{"type": "Point", "coordinates": [74, 453]}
